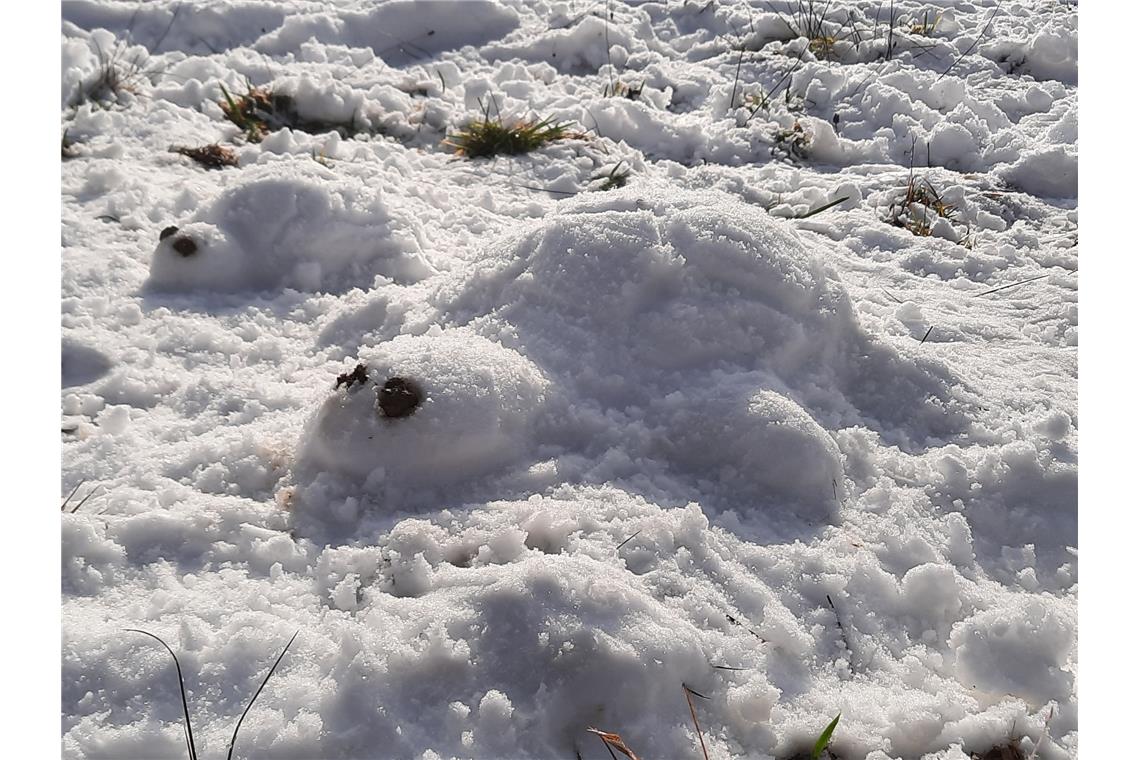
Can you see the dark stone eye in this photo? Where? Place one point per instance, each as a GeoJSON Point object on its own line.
{"type": "Point", "coordinates": [399, 397]}
{"type": "Point", "coordinates": [167, 233]}
{"type": "Point", "coordinates": [185, 246]}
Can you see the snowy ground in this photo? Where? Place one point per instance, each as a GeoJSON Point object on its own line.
{"type": "Point", "coordinates": [670, 434]}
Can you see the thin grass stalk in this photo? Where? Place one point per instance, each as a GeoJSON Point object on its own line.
{"type": "Point", "coordinates": [188, 728]}
{"type": "Point", "coordinates": [692, 711]}
{"type": "Point", "coordinates": [256, 694]}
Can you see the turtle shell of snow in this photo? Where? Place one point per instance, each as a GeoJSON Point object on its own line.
{"type": "Point", "coordinates": [664, 282]}
{"type": "Point", "coordinates": [289, 226]}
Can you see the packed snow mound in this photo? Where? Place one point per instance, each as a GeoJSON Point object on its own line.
{"type": "Point", "coordinates": [670, 281]}
{"type": "Point", "coordinates": [289, 226]}
{"type": "Point", "coordinates": [473, 405]}
{"type": "Point", "coordinates": [1050, 173]}
{"type": "Point", "coordinates": [81, 364]}
{"type": "Point", "coordinates": [758, 443]}
{"type": "Point", "coordinates": [675, 309]}
{"type": "Point", "coordinates": [1021, 650]}
{"type": "Point", "coordinates": [398, 31]}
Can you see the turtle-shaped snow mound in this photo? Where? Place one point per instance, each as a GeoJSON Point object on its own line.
{"type": "Point", "coordinates": [289, 226]}
{"type": "Point", "coordinates": [683, 345]}
{"type": "Point", "coordinates": [420, 413]}
{"type": "Point", "coordinates": [707, 338]}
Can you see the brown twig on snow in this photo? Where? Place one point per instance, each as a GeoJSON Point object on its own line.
{"type": "Point", "coordinates": [689, 693]}
{"type": "Point", "coordinates": [614, 741]}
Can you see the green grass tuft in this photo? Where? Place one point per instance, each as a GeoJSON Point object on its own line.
{"type": "Point", "coordinates": [255, 112]}
{"type": "Point", "coordinates": [824, 739]}
{"type": "Point", "coordinates": [488, 137]}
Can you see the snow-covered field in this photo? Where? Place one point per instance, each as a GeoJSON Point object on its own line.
{"type": "Point", "coordinates": [689, 433]}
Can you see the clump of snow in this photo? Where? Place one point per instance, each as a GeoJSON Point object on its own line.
{"type": "Point", "coordinates": [289, 226]}
{"type": "Point", "coordinates": [399, 31]}
{"type": "Point", "coordinates": [1050, 173]}
{"type": "Point", "coordinates": [479, 403]}
{"type": "Point", "coordinates": [1049, 53]}
{"type": "Point", "coordinates": [760, 444]}
{"type": "Point", "coordinates": [1021, 650]}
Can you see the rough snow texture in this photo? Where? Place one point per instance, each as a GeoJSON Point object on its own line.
{"type": "Point", "coordinates": [670, 434]}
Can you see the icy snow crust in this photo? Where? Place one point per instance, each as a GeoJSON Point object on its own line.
{"type": "Point", "coordinates": [669, 434]}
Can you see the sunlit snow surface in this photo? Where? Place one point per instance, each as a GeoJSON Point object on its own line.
{"type": "Point", "coordinates": [669, 434]}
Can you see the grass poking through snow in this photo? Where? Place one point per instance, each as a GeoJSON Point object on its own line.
{"type": "Point", "coordinates": [790, 143]}
{"type": "Point", "coordinates": [118, 71]}
{"type": "Point", "coordinates": [614, 178]}
{"type": "Point", "coordinates": [920, 207]}
{"type": "Point", "coordinates": [487, 136]}
{"type": "Point", "coordinates": [620, 89]}
{"type": "Point", "coordinates": [824, 738]}
{"type": "Point", "coordinates": [188, 728]}
{"type": "Point", "coordinates": [256, 694]}
{"type": "Point", "coordinates": [67, 501]}
{"type": "Point", "coordinates": [254, 112]}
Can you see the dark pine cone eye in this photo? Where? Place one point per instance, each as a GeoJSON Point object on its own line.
{"type": "Point", "coordinates": [399, 397]}
{"type": "Point", "coordinates": [167, 232]}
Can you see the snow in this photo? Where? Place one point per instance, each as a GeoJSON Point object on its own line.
{"type": "Point", "coordinates": [681, 433]}
{"type": "Point", "coordinates": [285, 227]}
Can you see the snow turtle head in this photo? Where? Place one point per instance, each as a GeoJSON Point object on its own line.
{"type": "Point", "coordinates": [197, 256]}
